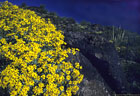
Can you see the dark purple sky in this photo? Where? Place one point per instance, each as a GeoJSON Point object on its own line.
{"type": "Point", "coordinates": [124, 13]}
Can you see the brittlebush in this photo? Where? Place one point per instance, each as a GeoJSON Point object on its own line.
{"type": "Point", "coordinates": [38, 65]}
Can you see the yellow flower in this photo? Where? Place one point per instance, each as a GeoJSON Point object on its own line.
{"type": "Point", "coordinates": [31, 83]}
{"type": "Point", "coordinates": [43, 77]}
{"type": "Point", "coordinates": [77, 65]}
{"type": "Point", "coordinates": [75, 89]}
{"type": "Point", "coordinates": [3, 41]}
{"type": "Point", "coordinates": [81, 67]}
{"type": "Point", "coordinates": [68, 72]}
{"type": "Point", "coordinates": [41, 84]}
{"type": "Point", "coordinates": [61, 88]}
{"type": "Point", "coordinates": [15, 7]}
{"type": "Point", "coordinates": [39, 69]}
{"type": "Point", "coordinates": [13, 93]}
{"type": "Point", "coordinates": [38, 44]}
{"type": "Point", "coordinates": [68, 77]}
{"type": "Point", "coordinates": [70, 82]}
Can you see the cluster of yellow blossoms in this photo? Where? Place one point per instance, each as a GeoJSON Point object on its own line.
{"type": "Point", "coordinates": [38, 64]}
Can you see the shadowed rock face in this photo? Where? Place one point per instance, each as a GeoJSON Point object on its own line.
{"type": "Point", "coordinates": [93, 84]}
{"type": "Point", "coordinates": [102, 56]}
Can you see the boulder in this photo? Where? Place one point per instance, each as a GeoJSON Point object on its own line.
{"type": "Point", "coordinates": [102, 55]}
{"type": "Point", "coordinates": [93, 84]}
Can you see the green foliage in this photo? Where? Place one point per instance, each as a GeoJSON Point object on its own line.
{"type": "Point", "coordinates": [99, 32]}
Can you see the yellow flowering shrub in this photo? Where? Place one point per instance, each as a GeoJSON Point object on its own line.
{"type": "Point", "coordinates": [34, 47]}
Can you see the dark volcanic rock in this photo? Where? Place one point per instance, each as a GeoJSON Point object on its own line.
{"type": "Point", "coordinates": [103, 57]}
{"type": "Point", "coordinates": [93, 84]}
{"type": "Point", "coordinates": [132, 70]}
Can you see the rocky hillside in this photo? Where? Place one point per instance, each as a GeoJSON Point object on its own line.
{"type": "Point", "coordinates": [110, 56]}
